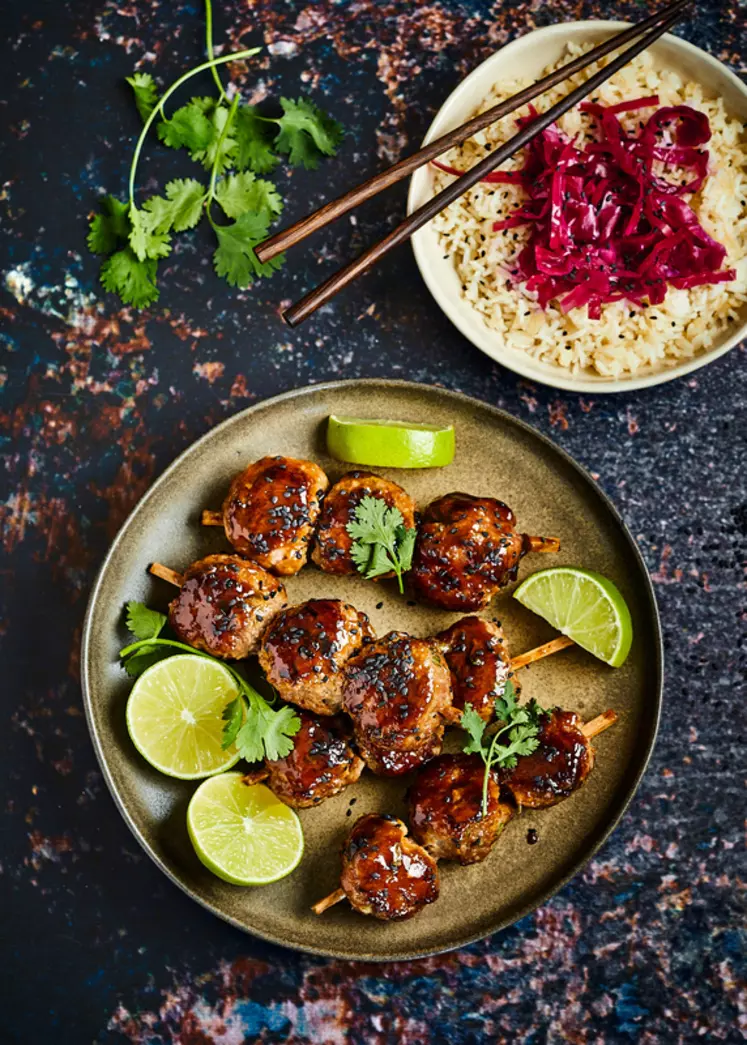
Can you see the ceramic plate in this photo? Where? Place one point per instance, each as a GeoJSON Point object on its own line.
{"type": "Point", "coordinates": [528, 56]}
{"type": "Point", "coordinates": [496, 455]}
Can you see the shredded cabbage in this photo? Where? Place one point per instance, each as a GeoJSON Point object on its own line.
{"type": "Point", "coordinates": [608, 219]}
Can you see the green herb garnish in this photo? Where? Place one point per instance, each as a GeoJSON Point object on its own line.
{"type": "Point", "coordinates": [259, 732]}
{"type": "Point", "coordinates": [234, 144]}
{"type": "Point", "coordinates": [521, 723]}
{"type": "Point", "coordinates": [381, 541]}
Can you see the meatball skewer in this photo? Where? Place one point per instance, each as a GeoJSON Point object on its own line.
{"type": "Point", "coordinates": [321, 764]}
{"type": "Point", "coordinates": [384, 873]}
{"type": "Point", "coordinates": [270, 512]}
{"type": "Point", "coordinates": [388, 883]}
{"type": "Point", "coordinates": [223, 605]}
{"type": "Point", "coordinates": [332, 543]}
{"type": "Point", "coordinates": [397, 691]}
{"type": "Point", "coordinates": [305, 649]}
{"type": "Point", "coordinates": [477, 656]}
{"type": "Point", "coordinates": [467, 549]}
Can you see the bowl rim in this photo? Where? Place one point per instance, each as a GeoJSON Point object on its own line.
{"type": "Point", "coordinates": [462, 315]}
{"type": "Point", "coordinates": [656, 637]}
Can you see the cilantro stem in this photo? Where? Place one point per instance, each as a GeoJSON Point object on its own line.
{"type": "Point", "coordinates": [218, 147]}
{"type": "Point", "coordinates": [488, 766]}
{"type": "Point", "coordinates": [211, 64]}
{"type": "Point", "coordinates": [210, 51]}
{"type": "Point", "coordinates": [249, 692]}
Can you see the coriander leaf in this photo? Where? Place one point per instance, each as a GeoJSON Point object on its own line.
{"type": "Point", "coordinates": [146, 658]}
{"type": "Point", "coordinates": [380, 563]}
{"type": "Point", "coordinates": [146, 93]}
{"type": "Point", "coordinates": [523, 740]}
{"type": "Point", "coordinates": [267, 732]}
{"type": "Point", "coordinates": [473, 724]}
{"type": "Point", "coordinates": [145, 239]}
{"type": "Point", "coordinates": [361, 556]}
{"type": "Point", "coordinates": [219, 148]}
{"type": "Point", "coordinates": [374, 522]}
{"type": "Point", "coordinates": [109, 227]}
{"type": "Point", "coordinates": [189, 127]}
{"type": "Point", "coordinates": [306, 133]}
{"type": "Point", "coordinates": [405, 546]}
{"type": "Point", "coordinates": [253, 141]}
{"type": "Point", "coordinates": [181, 208]}
{"type": "Point", "coordinates": [233, 716]}
{"type": "Point", "coordinates": [143, 622]}
{"type": "Point", "coordinates": [536, 712]}
{"type": "Point", "coordinates": [381, 529]}
{"type": "Point", "coordinates": [234, 258]}
{"type": "Point", "coordinates": [242, 192]}
{"type": "Point", "coordinates": [134, 280]}
{"type": "Point", "coordinates": [281, 726]}
{"type": "Point", "coordinates": [506, 705]}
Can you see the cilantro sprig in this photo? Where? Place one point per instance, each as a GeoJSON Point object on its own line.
{"type": "Point", "coordinates": [235, 144]}
{"type": "Point", "coordinates": [519, 727]}
{"type": "Point", "coordinates": [258, 729]}
{"type": "Point", "coordinates": [381, 541]}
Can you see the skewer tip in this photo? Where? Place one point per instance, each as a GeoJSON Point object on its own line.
{"type": "Point", "coordinates": [541, 544]}
{"type": "Point", "coordinates": [328, 901]}
{"type": "Point", "coordinates": [598, 725]}
{"type": "Point", "coordinates": [166, 574]}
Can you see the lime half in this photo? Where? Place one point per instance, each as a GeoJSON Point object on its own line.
{"type": "Point", "coordinates": [390, 444]}
{"type": "Point", "coordinates": [174, 716]}
{"type": "Point", "coordinates": [242, 832]}
{"type": "Point", "coordinates": [583, 605]}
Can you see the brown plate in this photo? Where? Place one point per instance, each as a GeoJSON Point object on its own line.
{"type": "Point", "coordinates": [551, 494]}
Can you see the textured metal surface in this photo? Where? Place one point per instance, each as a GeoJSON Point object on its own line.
{"type": "Point", "coordinates": [648, 944]}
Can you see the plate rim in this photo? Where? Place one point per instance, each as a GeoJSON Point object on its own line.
{"type": "Point", "coordinates": [558, 884]}
{"type": "Point", "coordinates": [514, 360]}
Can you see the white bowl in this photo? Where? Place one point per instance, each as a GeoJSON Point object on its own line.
{"type": "Point", "coordinates": [527, 57]}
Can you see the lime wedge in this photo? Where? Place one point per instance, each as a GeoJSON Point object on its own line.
{"type": "Point", "coordinates": [583, 605]}
{"type": "Point", "coordinates": [174, 716]}
{"type": "Point", "coordinates": [390, 444]}
{"type": "Point", "coordinates": [242, 832]}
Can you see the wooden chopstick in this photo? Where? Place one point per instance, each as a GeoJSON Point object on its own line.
{"type": "Point", "coordinates": [286, 238]}
{"type": "Point", "coordinates": [321, 294]}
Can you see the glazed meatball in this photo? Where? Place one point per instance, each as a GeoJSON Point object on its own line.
{"type": "Point", "coordinates": [384, 874]}
{"type": "Point", "coordinates": [479, 663]}
{"type": "Point", "coordinates": [558, 767]}
{"type": "Point", "coordinates": [305, 649]}
{"type": "Point", "coordinates": [270, 512]}
{"type": "Point", "coordinates": [397, 691]}
{"type": "Point", "coordinates": [446, 809]}
{"type": "Point", "coordinates": [333, 542]}
{"type": "Point", "coordinates": [321, 764]}
{"type": "Point", "coordinates": [224, 604]}
{"type": "Point", "coordinates": [467, 549]}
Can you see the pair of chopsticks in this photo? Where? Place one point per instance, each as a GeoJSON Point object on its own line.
{"type": "Point", "coordinates": [653, 27]}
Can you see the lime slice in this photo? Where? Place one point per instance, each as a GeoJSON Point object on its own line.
{"type": "Point", "coordinates": [242, 832]}
{"type": "Point", "coordinates": [174, 716]}
{"type": "Point", "coordinates": [583, 605]}
{"type": "Point", "coordinates": [390, 444]}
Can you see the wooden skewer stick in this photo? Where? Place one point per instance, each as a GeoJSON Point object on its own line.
{"type": "Point", "coordinates": [542, 544]}
{"type": "Point", "coordinates": [329, 901]}
{"type": "Point", "coordinates": [546, 650]}
{"type": "Point", "coordinates": [599, 724]}
{"type": "Point", "coordinates": [166, 574]}
{"type": "Point", "coordinates": [212, 518]}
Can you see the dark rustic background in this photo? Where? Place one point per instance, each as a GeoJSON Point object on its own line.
{"type": "Point", "coordinates": [647, 945]}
